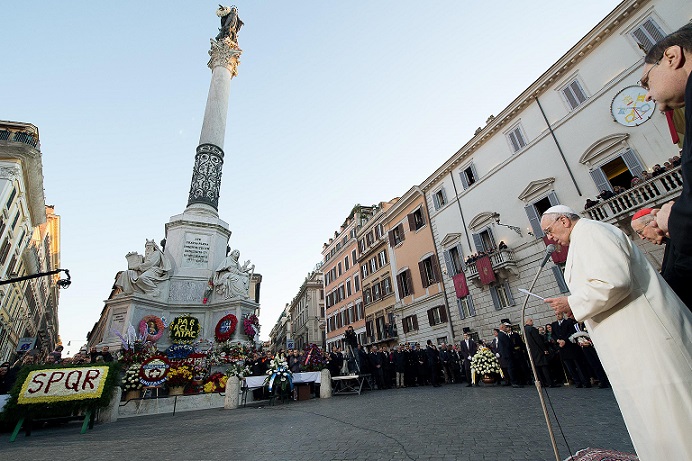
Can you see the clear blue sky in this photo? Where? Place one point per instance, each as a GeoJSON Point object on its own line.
{"type": "Point", "coordinates": [336, 103]}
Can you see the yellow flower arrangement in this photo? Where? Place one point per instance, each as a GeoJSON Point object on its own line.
{"type": "Point", "coordinates": [179, 376]}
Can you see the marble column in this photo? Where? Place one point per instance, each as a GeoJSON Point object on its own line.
{"type": "Point", "coordinates": [206, 175]}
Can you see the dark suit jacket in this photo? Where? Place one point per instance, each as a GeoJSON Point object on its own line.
{"type": "Point", "coordinates": [570, 351]}
{"type": "Point", "coordinates": [537, 346]}
{"type": "Point", "coordinates": [504, 347]}
{"type": "Point", "coordinates": [466, 351]}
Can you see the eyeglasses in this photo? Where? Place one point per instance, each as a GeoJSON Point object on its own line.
{"type": "Point", "coordinates": [644, 82]}
{"type": "Point", "coordinates": [548, 230]}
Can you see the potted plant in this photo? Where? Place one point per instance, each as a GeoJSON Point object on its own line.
{"type": "Point", "coordinates": [178, 378]}
{"type": "Point", "coordinates": [131, 385]}
{"type": "Point", "coordinates": [485, 364]}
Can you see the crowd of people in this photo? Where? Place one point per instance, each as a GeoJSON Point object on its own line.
{"type": "Point", "coordinates": [476, 256]}
{"type": "Point", "coordinates": [561, 351]}
{"type": "Point", "coordinates": [656, 170]}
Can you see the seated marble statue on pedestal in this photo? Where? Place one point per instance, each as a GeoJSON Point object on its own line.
{"type": "Point", "coordinates": [231, 280]}
{"type": "Point", "coordinates": [145, 273]}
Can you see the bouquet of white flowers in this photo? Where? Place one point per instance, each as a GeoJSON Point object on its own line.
{"type": "Point", "coordinates": [131, 380]}
{"type": "Point", "coordinates": [238, 369]}
{"type": "Point", "coordinates": [484, 362]}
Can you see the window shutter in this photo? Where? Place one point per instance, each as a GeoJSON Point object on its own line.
{"type": "Point", "coordinates": [469, 301]}
{"type": "Point", "coordinates": [399, 288]}
{"type": "Point", "coordinates": [492, 238]}
{"type": "Point", "coordinates": [460, 306]}
{"type": "Point", "coordinates": [448, 263]}
{"type": "Point", "coordinates": [444, 195]}
{"type": "Point", "coordinates": [415, 322]}
{"type": "Point", "coordinates": [552, 198]}
{"type": "Point", "coordinates": [633, 163]}
{"type": "Point", "coordinates": [600, 179]}
{"type": "Point", "coordinates": [508, 292]}
{"type": "Point", "coordinates": [402, 236]}
{"type": "Point", "coordinates": [515, 143]}
{"type": "Point", "coordinates": [560, 279]}
{"type": "Point", "coordinates": [571, 100]}
{"type": "Point", "coordinates": [477, 241]}
{"type": "Point", "coordinates": [423, 276]}
{"type": "Point", "coordinates": [474, 172]}
{"type": "Point", "coordinates": [404, 325]}
{"type": "Point", "coordinates": [443, 314]}
{"type": "Point", "coordinates": [460, 252]}
{"type": "Point", "coordinates": [431, 317]}
{"type": "Point", "coordinates": [410, 281]}
{"type": "Point", "coordinates": [390, 234]}
{"type": "Point", "coordinates": [534, 220]}
{"type": "Point", "coordinates": [496, 299]}
{"type": "Point", "coordinates": [436, 202]}
{"type": "Point", "coordinates": [435, 268]}
{"type": "Point", "coordinates": [464, 181]}
{"type": "Point", "coordinates": [411, 222]}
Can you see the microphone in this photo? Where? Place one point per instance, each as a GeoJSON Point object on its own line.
{"type": "Point", "coordinates": [548, 251]}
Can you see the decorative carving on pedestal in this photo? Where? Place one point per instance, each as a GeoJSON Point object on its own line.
{"type": "Point", "coordinates": [206, 176]}
{"type": "Point", "coordinates": [144, 273]}
{"type": "Point", "coordinates": [231, 280]}
{"type": "Point", "coordinates": [186, 291]}
{"type": "Point", "coordinates": [9, 172]}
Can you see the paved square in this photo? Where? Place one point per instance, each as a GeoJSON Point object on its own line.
{"type": "Point", "coordinates": [448, 423]}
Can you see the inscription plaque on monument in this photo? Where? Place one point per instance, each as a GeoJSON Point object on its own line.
{"type": "Point", "coordinates": [195, 250]}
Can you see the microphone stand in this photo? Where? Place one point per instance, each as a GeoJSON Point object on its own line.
{"type": "Point", "coordinates": [537, 381]}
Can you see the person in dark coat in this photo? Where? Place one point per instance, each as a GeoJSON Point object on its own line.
{"type": "Point", "coordinates": [467, 349]}
{"type": "Point", "coordinates": [422, 366]}
{"type": "Point", "coordinates": [433, 363]}
{"type": "Point", "coordinates": [376, 363]}
{"type": "Point", "coordinates": [506, 351]}
{"type": "Point", "coordinates": [538, 349]}
{"type": "Point", "coordinates": [336, 361]}
{"type": "Point", "coordinates": [399, 359]}
{"type": "Point", "coordinates": [570, 353]}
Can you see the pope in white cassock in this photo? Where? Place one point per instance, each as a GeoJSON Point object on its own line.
{"type": "Point", "coordinates": [639, 326]}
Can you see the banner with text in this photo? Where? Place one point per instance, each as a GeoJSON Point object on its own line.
{"type": "Point", "coordinates": [62, 384]}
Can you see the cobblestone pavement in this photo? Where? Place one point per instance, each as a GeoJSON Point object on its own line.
{"type": "Point", "coordinates": [448, 423]}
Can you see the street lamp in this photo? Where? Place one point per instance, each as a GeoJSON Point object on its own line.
{"type": "Point", "coordinates": [62, 283]}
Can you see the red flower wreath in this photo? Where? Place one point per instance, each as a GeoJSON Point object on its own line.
{"type": "Point", "coordinates": [151, 328]}
{"type": "Point", "coordinates": [225, 328]}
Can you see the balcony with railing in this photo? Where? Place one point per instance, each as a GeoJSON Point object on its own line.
{"type": "Point", "coordinates": [653, 192]}
{"type": "Point", "coordinates": [503, 262]}
{"type": "Point", "coordinates": [19, 136]}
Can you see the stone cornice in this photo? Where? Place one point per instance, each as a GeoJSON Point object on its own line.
{"type": "Point", "coordinates": [565, 64]}
{"type": "Point", "coordinates": [32, 174]}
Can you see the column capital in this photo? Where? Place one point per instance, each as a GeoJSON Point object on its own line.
{"type": "Point", "coordinates": [225, 53]}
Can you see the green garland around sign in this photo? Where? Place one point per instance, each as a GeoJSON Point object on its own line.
{"type": "Point", "coordinates": [184, 329]}
{"type": "Point", "coordinates": [13, 411]}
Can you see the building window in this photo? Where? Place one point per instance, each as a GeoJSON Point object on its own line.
{"type": "Point", "coordinates": [617, 172]}
{"type": "Point", "coordinates": [396, 235]}
{"type": "Point", "coordinates": [410, 323]}
{"type": "Point", "coordinates": [647, 34]}
{"type": "Point", "coordinates": [356, 283]}
{"type": "Point", "coordinates": [359, 311]}
{"type": "Point", "coordinates": [574, 94]}
{"type": "Point", "coordinates": [516, 139]}
{"type": "Point", "coordinates": [428, 271]}
{"type": "Point", "coordinates": [484, 240]}
{"type": "Point", "coordinates": [468, 176]}
{"type": "Point", "coordinates": [382, 257]}
{"type": "Point", "coordinates": [346, 263]}
{"type": "Point", "coordinates": [13, 194]}
{"type": "Point", "coordinates": [405, 283]}
{"type": "Point", "coordinates": [535, 210]}
{"type": "Point", "coordinates": [367, 296]}
{"type": "Point", "coordinates": [353, 257]}
{"type": "Point", "coordinates": [373, 265]}
{"type": "Point", "coordinates": [15, 220]}
{"type": "Point", "coordinates": [4, 251]}
{"type": "Point", "coordinates": [466, 308]}
{"type": "Point", "coordinates": [416, 220]}
{"type": "Point", "coordinates": [348, 288]}
{"type": "Point", "coordinates": [454, 261]}
{"type": "Point", "coordinates": [339, 269]}
{"type": "Point", "coordinates": [439, 199]}
{"type": "Point", "coordinates": [379, 231]}
{"type": "Point", "coordinates": [502, 295]}
{"type": "Point", "coordinates": [376, 294]}
{"type": "Point", "coordinates": [364, 270]}
{"type": "Point", "coordinates": [386, 286]}
{"type": "Point", "coordinates": [437, 315]}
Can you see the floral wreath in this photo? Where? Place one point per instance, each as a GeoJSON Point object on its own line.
{"type": "Point", "coordinates": [193, 328]}
{"type": "Point", "coordinates": [144, 328]}
{"type": "Point", "coordinates": [248, 323]}
{"type": "Point", "coordinates": [225, 328]}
